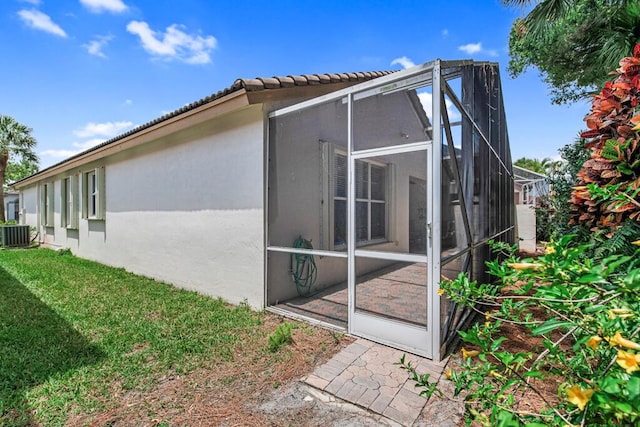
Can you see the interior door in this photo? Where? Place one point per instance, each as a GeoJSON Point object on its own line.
{"type": "Point", "coordinates": [389, 272]}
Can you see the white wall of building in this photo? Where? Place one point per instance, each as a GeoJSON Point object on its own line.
{"type": "Point", "coordinates": [526, 220]}
{"type": "Point", "coordinates": [10, 202]}
{"type": "Point", "coordinates": [186, 209]}
{"type": "Point", "coordinates": [29, 206]}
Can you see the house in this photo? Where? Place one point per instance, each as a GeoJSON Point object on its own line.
{"type": "Point", "coordinates": [332, 197]}
{"type": "Point", "coordinates": [529, 189]}
{"type": "Point", "coordinates": [529, 186]}
{"type": "Point", "coordinates": [12, 205]}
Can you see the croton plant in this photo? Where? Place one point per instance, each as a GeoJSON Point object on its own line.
{"type": "Point", "coordinates": [607, 190]}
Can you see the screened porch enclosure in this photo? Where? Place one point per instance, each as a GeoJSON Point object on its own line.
{"type": "Point", "coordinates": [371, 202]}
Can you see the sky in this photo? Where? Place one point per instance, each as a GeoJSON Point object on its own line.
{"type": "Point", "coordinates": [79, 72]}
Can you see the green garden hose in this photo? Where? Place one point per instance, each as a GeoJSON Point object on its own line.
{"type": "Point", "coordinates": [303, 268]}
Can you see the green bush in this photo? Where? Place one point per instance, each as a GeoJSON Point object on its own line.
{"type": "Point", "coordinates": [583, 313]}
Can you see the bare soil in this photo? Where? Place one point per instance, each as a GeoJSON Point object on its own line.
{"type": "Point", "coordinates": [251, 390]}
{"type": "Point", "coordinates": [259, 390]}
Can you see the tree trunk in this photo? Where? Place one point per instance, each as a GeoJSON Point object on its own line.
{"type": "Point", "coordinates": [4, 158]}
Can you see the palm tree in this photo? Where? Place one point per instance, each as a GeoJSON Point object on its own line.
{"type": "Point", "coordinates": [574, 43]}
{"type": "Point", "coordinates": [546, 166]}
{"type": "Point", "coordinates": [16, 142]}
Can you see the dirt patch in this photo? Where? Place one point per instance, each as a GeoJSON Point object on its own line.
{"type": "Point", "coordinates": [260, 388]}
{"type": "Point", "coordinates": [256, 388]}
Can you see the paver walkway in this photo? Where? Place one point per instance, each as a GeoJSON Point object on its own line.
{"type": "Point", "coordinates": [365, 374]}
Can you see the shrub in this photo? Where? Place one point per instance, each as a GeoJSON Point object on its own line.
{"type": "Point", "coordinates": [607, 191]}
{"type": "Point", "coordinates": [584, 315]}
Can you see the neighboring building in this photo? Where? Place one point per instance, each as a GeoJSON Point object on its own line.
{"type": "Point", "coordinates": [346, 175]}
{"type": "Point", "coordinates": [529, 188]}
{"type": "Point", "coordinates": [12, 205]}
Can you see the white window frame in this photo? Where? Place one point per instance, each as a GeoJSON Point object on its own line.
{"type": "Point", "coordinates": [47, 204]}
{"type": "Point", "coordinates": [69, 202]}
{"type": "Point", "coordinates": [369, 240]}
{"type": "Point", "coordinates": [22, 219]}
{"type": "Point", "coordinates": [329, 154]}
{"type": "Point", "coordinates": [93, 194]}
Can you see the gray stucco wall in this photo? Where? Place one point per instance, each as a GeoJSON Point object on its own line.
{"type": "Point", "coordinates": [186, 209]}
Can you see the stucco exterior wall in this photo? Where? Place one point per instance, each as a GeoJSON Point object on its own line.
{"type": "Point", "coordinates": [526, 228]}
{"type": "Point", "coordinates": [29, 206]}
{"type": "Point", "coordinates": [186, 209]}
{"type": "Point", "coordinates": [10, 201]}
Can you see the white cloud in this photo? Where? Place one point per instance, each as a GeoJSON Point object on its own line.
{"type": "Point", "coordinates": [128, 102]}
{"type": "Point", "coordinates": [88, 144]}
{"type": "Point", "coordinates": [106, 129]}
{"type": "Point", "coordinates": [404, 62]}
{"type": "Point", "coordinates": [58, 154]}
{"type": "Point", "coordinates": [445, 33]}
{"type": "Point", "coordinates": [97, 134]}
{"type": "Point", "coordinates": [174, 43]}
{"type": "Point", "coordinates": [471, 48]}
{"type": "Point", "coordinates": [426, 99]}
{"type": "Point", "coordinates": [40, 21]}
{"type": "Point", "coordinates": [79, 148]}
{"type": "Point", "coordinates": [99, 6]}
{"type": "Point", "coordinates": [94, 47]}
{"type": "Point", "coordinates": [33, 2]}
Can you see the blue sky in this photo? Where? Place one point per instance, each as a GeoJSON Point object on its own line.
{"type": "Point", "coordinates": [82, 71]}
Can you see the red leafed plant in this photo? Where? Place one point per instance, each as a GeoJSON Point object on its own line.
{"type": "Point", "coordinates": [608, 183]}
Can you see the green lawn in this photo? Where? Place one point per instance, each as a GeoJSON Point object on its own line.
{"type": "Point", "coordinates": [71, 330]}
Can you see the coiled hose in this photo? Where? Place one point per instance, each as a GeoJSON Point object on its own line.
{"type": "Point", "coordinates": [303, 268]}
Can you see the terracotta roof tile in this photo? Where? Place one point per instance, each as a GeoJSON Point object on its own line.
{"type": "Point", "coordinates": [312, 80]}
{"type": "Point", "coordinates": [286, 81]}
{"type": "Point", "coordinates": [270, 82]}
{"type": "Point", "coordinates": [299, 80]}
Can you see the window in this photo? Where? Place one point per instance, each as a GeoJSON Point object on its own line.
{"type": "Point", "coordinates": [69, 202]}
{"type": "Point", "coordinates": [46, 204]}
{"type": "Point", "coordinates": [93, 194]}
{"type": "Point", "coordinates": [371, 201]}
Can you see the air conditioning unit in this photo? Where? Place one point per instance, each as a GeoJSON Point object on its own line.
{"type": "Point", "coordinates": [15, 235]}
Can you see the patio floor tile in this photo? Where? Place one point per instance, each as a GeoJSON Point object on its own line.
{"type": "Point", "coordinates": [372, 380]}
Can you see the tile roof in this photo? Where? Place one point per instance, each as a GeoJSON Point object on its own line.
{"type": "Point", "coordinates": [261, 83]}
{"type": "Point", "coordinates": [250, 85]}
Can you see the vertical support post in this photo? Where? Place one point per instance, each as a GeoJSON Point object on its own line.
{"type": "Point", "coordinates": [351, 206]}
{"type": "Point", "coordinates": [435, 165]}
{"type": "Point", "coordinates": [266, 212]}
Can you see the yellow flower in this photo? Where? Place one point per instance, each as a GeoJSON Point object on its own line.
{"type": "Point", "coordinates": [593, 342]}
{"type": "Point", "coordinates": [440, 291]}
{"type": "Point", "coordinates": [496, 374]}
{"type": "Point", "coordinates": [623, 342]}
{"type": "Point", "coordinates": [628, 361]}
{"type": "Point", "coordinates": [469, 353]}
{"type": "Point", "coordinates": [549, 250]}
{"type": "Point", "coordinates": [637, 243]}
{"type": "Point", "coordinates": [623, 313]}
{"type": "Point", "coordinates": [448, 374]}
{"type": "Point", "coordinates": [524, 265]}
{"type": "Point", "coordinates": [579, 396]}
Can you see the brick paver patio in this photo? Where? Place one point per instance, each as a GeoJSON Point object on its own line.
{"type": "Point", "coordinates": [397, 292]}
{"type": "Point", "coordinates": [365, 374]}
